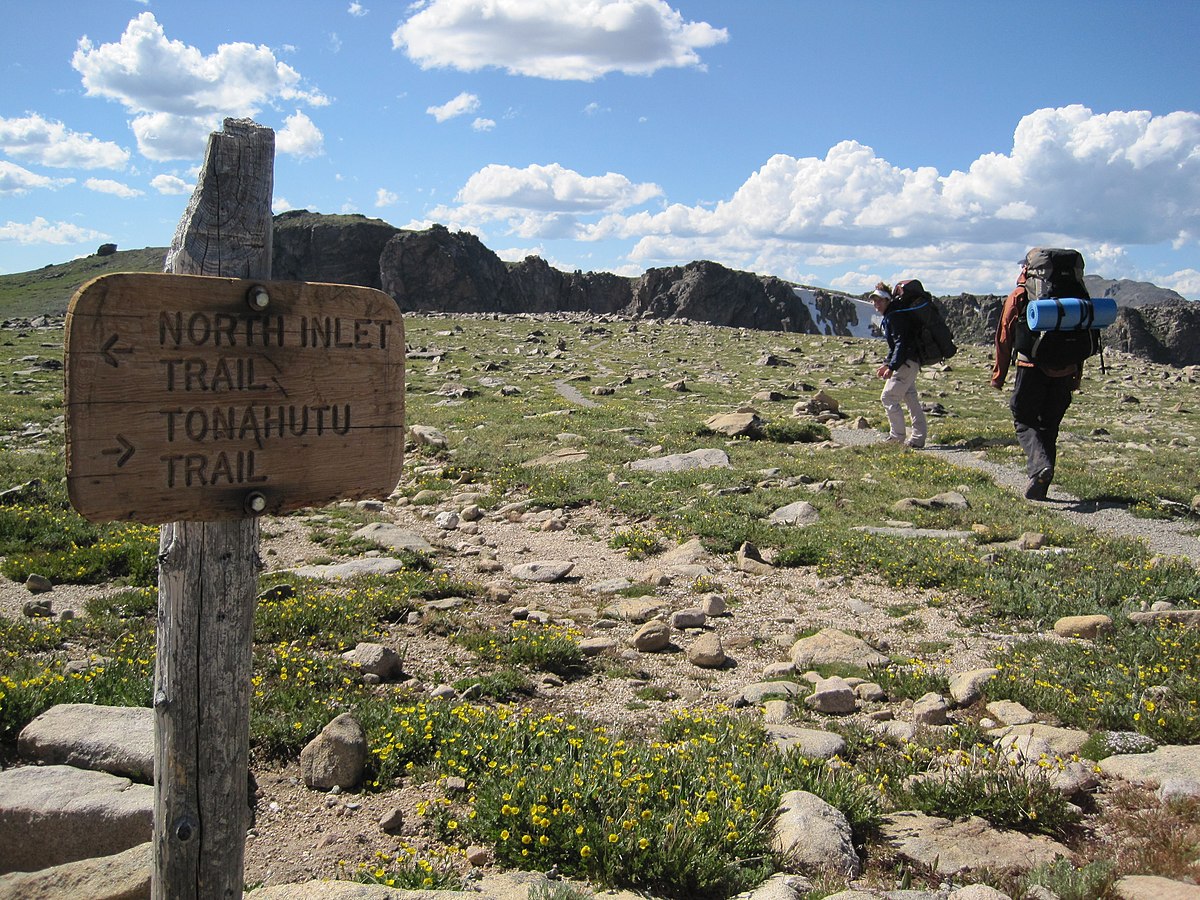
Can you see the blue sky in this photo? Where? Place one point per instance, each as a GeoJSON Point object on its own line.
{"type": "Point", "coordinates": [828, 143]}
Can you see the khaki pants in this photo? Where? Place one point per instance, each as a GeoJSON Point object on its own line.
{"type": "Point", "coordinates": [900, 391]}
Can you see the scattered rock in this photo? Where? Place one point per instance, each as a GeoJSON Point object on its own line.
{"type": "Point", "coordinates": [38, 584]}
{"type": "Point", "coordinates": [800, 513]}
{"type": "Point", "coordinates": [832, 696]}
{"type": "Point", "coordinates": [814, 836]}
{"type": "Point", "coordinates": [114, 739]}
{"type": "Point", "coordinates": [706, 652]}
{"type": "Point", "coordinates": [122, 876]}
{"type": "Point", "coordinates": [543, 571]}
{"type": "Point", "coordinates": [739, 424]}
{"type": "Point", "coordinates": [652, 637]}
{"type": "Point", "coordinates": [967, 687]}
{"type": "Point", "coordinates": [682, 462]}
{"type": "Point", "coordinates": [107, 815]}
{"type": "Point", "coordinates": [1087, 627]}
{"type": "Point", "coordinates": [830, 646]}
{"type": "Point", "coordinates": [948, 848]}
{"type": "Point", "coordinates": [336, 757]}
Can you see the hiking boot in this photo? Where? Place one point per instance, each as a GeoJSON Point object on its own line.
{"type": "Point", "coordinates": [893, 439]}
{"type": "Point", "coordinates": [914, 445]}
{"type": "Point", "coordinates": [1039, 485]}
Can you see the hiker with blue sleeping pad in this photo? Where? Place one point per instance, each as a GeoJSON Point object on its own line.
{"type": "Point", "coordinates": [916, 336]}
{"type": "Point", "coordinates": [1048, 327]}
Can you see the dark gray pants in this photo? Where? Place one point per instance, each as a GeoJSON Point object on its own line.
{"type": "Point", "coordinates": [1038, 404]}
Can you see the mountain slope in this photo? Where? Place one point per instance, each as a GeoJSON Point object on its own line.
{"type": "Point", "coordinates": [48, 290]}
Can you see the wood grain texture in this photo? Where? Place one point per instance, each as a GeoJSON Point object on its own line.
{"type": "Point", "coordinates": [182, 399]}
{"type": "Point", "coordinates": [208, 574]}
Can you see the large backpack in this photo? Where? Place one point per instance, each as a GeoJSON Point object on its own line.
{"type": "Point", "coordinates": [1052, 273]}
{"type": "Point", "coordinates": [934, 341]}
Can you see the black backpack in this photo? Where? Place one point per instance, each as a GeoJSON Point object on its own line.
{"type": "Point", "coordinates": [934, 341]}
{"type": "Point", "coordinates": [1054, 273]}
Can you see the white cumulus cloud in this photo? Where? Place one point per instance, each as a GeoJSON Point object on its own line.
{"type": "Point", "coordinates": [40, 231]}
{"type": "Point", "coordinates": [170, 184]}
{"type": "Point", "coordinates": [176, 93]}
{"type": "Point", "coordinates": [357, 9]}
{"type": "Point", "coordinates": [384, 197]}
{"type": "Point", "coordinates": [555, 39]}
{"type": "Point", "coordinates": [1097, 181]}
{"type": "Point", "coordinates": [300, 137]}
{"type": "Point", "coordinates": [16, 179]}
{"type": "Point", "coordinates": [47, 143]}
{"type": "Point", "coordinates": [461, 105]}
{"type": "Point", "coordinates": [109, 186]}
{"type": "Point", "coordinates": [542, 201]}
{"type": "Point", "coordinates": [482, 124]}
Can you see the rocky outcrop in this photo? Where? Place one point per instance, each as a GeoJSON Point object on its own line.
{"type": "Point", "coordinates": [707, 292]}
{"type": "Point", "coordinates": [1162, 334]}
{"type": "Point", "coordinates": [1131, 293]}
{"type": "Point", "coordinates": [333, 249]}
{"type": "Point", "coordinates": [454, 272]}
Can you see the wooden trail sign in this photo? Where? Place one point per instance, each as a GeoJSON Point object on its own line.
{"type": "Point", "coordinates": [194, 398]}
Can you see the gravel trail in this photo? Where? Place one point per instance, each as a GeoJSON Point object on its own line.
{"type": "Point", "coordinates": [1165, 537]}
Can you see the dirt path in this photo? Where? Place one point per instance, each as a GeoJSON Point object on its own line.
{"type": "Point", "coordinates": [1161, 536]}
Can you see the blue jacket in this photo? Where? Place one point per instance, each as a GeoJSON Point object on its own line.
{"type": "Point", "coordinates": [900, 329]}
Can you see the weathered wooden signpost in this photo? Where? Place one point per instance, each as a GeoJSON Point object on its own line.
{"type": "Point", "coordinates": [199, 400]}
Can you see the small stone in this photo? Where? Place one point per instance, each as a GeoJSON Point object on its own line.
{"type": "Point", "coordinates": [652, 637]}
{"type": "Point", "coordinates": [37, 609]}
{"type": "Point", "coordinates": [688, 618]}
{"type": "Point", "coordinates": [392, 821]}
{"type": "Point", "coordinates": [931, 709]}
{"type": "Point", "coordinates": [706, 652]}
{"type": "Point", "coordinates": [38, 584]}
{"type": "Point", "coordinates": [713, 605]}
{"type": "Point", "coordinates": [544, 571]}
{"type": "Point", "coordinates": [1087, 627]}
{"type": "Point", "coordinates": [832, 696]}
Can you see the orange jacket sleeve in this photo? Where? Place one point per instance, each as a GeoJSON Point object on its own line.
{"type": "Point", "coordinates": [1006, 335]}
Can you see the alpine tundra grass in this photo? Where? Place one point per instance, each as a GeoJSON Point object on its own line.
{"type": "Point", "coordinates": [683, 811]}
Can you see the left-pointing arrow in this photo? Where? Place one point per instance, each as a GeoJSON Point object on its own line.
{"type": "Point", "coordinates": [109, 349]}
{"type": "Point", "coordinates": [125, 450]}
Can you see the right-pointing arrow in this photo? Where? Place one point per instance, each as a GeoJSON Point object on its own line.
{"type": "Point", "coordinates": [126, 450]}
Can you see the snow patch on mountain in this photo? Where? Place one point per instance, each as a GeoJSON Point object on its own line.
{"type": "Point", "coordinates": [866, 323]}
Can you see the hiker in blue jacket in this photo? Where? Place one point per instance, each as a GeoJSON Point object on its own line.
{"type": "Point", "coordinates": [900, 369]}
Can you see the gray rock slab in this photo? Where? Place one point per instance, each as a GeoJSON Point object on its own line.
{"type": "Point", "coordinates": [757, 693]}
{"type": "Point", "coordinates": [800, 513]}
{"type": "Point", "coordinates": [1167, 762]}
{"type": "Point", "coordinates": [965, 845]}
{"type": "Point", "coordinates": [1063, 741]}
{"type": "Point", "coordinates": [811, 743]}
{"type": "Point", "coordinates": [124, 876]}
{"type": "Point", "coordinates": [682, 462]}
{"type": "Point", "coordinates": [544, 571]}
{"type": "Point", "coordinates": [352, 569]}
{"type": "Point", "coordinates": [1154, 887]}
{"type": "Point", "coordinates": [393, 537]}
{"type": "Point", "coordinates": [114, 739]}
{"type": "Point", "coordinates": [1189, 617]}
{"type": "Point", "coordinates": [942, 534]}
{"type": "Point", "coordinates": [558, 457]}
{"type": "Point", "coordinates": [832, 646]}
{"type": "Point", "coordinates": [686, 554]}
{"type": "Point", "coordinates": [50, 815]}
{"type": "Point", "coordinates": [814, 836]}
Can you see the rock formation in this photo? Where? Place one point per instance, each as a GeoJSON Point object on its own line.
{"type": "Point", "coordinates": [454, 272]}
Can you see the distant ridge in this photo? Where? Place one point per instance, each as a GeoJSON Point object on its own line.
{"type": "Point", "coordinates": [48, 290]}
{"type": "Point", "coordinates": [1131, 293]}
{"type": "Point", "coordinates": [438, 270]}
